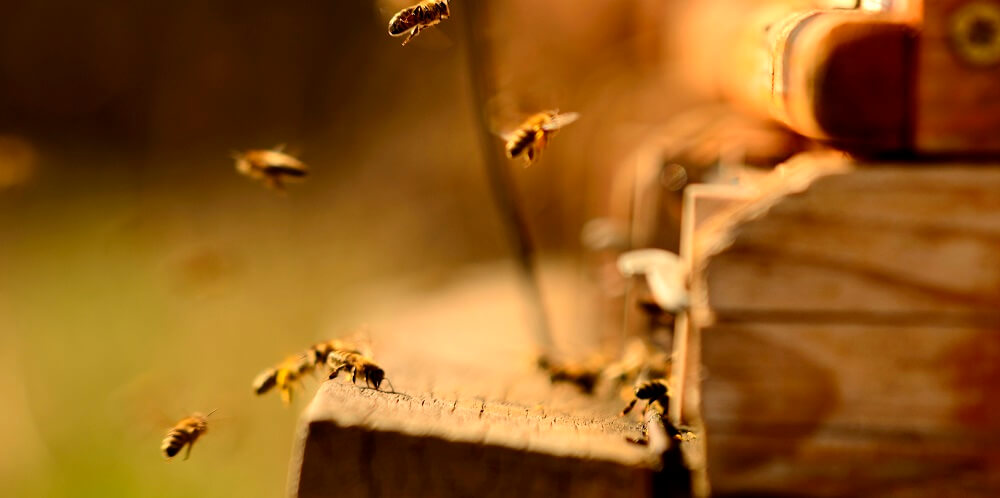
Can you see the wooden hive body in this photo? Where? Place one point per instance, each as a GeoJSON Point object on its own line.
{"type": "Point", "coordinates": [846, 319]}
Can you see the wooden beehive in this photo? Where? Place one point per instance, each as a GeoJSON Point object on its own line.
{"type": "Point", "coordinates": [847, 321]}
{"type": "Point", "coordinates": [844, 330]}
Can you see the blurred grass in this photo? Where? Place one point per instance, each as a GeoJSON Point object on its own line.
{"type": "Point", "coordinates": [130, 300]}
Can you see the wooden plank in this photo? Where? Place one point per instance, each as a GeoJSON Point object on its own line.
{"type": "Point", "coordinates": [848, 332]}
{"type": "Point", "coordinates": [794, 407]}
{"type": "Point", "coordinates": [855, 377]}
{"type": "Point", "coordinates": [958, 98]}
{"type": "Point", "coordinates": [879, 240]}
{"type": "Point", "coordinates": [473, 415]}
{"type": "Point", "coordinates": [366, 443]}
{"type": "Point", "coordinates": [702, 203]}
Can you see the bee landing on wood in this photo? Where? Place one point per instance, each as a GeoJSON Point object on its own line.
{"type": "Point", "coordinates": [272, 167]}
{"type": "Point", "coordinates": [534, 133]}
{"type": "Point", "coordinates": [289, 372]}
{"type": "Point", "coordinates": [356, 364]}
{"type": "Point", "coordinates": [418, 17]}
{"type": "Point", "coordinates": [284, 376]}
{"type": "Point", "coordinates": [185, 433]}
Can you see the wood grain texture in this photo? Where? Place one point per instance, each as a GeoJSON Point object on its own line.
{"type": "Point", "coordinates": [847, 320]}
{"type": "Point", "coordinates": [874, 240]}
{"type": "Point", "coordinates": [957, 102]}
{"type": "Point", "coordinates": [472, 415]}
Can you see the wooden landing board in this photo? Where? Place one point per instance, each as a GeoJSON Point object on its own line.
{"type": "Point", "coordinates": [367, 443]}
{"type": "Point", "coordinates": [472, 416]}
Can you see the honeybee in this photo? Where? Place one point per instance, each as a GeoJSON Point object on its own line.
{"type": "Point", "coordinates": [533, 134]}
{"type": "Point", "coordinates": [321, 350]}
{"type": "Point", "coordinates": [356, 363]}
{"type": "Point", "coordinates": [287, 374]}
{"type": "Point", "coordinates": [185, 433]}
{"type": "Point", "coordinates": [271, 166]}
{"type": "Point", "coordinates": [582, 376]}
{"type": "Point", "coordinates": [284, 376]}
{"type": "Point", "coordinates": [418, 17]}
{"type": "Point", "coordinates": [656, 392]}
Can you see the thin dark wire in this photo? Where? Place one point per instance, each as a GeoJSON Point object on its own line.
{"type": "Point", "coordinates": [479, 55]}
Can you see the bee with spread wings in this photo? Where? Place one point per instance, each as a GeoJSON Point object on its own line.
{"type": "Point", "coordinates": [411, 20]}
{"type": "Point", "coordinates": [534, 133]}
{"type": "Point", "coordinates": [270, 166]}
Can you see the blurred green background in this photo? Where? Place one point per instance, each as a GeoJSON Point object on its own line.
{"type": "Point", "coordinates": [142, 279]}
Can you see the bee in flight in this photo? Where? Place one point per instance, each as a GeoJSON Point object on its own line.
{"type": "Point", "coordinates": [534, 133]}
{"type": "Point", "coordinates": [284, 376]}
{"type": "Point", "coordinates": [271, 166]}
{"type": "Point", "coordinates": [655, 392]}
{"type": "Point", "coordinates": [356, 364]}
{"type": "Point", "coordinates": [185, 433]}
{"type": "Point", "coordinates": [289, 372]}
{"type": "Point", "coordinates": [418, 17]}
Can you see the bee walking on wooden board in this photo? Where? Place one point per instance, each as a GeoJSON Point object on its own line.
{"type": "Point", "coordinates": [270, 166]}
{"type": "Point", "coordinates": [356, 364]}
{"type": "Point", "coordinates": [418, 17]}
{"type": "Point", "coordinates": [185, 433]}
{"type": "Point", "coordinates": [655, 392]}
{"type": "Point", "coordinates": [534, 134]}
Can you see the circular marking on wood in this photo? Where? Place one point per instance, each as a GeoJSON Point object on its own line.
{"type": "Point", "coordinates": [974, 30]}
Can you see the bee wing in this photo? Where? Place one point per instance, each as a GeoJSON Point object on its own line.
{"type": "Point", "coordinates": [506, 136]}
{"type": "Point", "coordinates": [284, 163]}
{"type": "Point", "coordinates": [361, 340]}
{"type": "Point", "coordinates": [560, 120]}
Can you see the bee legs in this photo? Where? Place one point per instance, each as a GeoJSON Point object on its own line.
{"type": "Point", "coordinates": [336, 371]}
{"type": "Point", "coordinates": [188, 453]}
{"type": "Point", "coordinates": [628, 407]}
{"type": "Point", "coordinates": [642, 440]}
{"type": "Point", "coordinates": [273, 181]}
{"type": "Point", "coordinates": [413, 33]}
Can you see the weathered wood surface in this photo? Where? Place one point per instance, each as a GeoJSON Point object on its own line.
{"type": "Point", "coordinates": [472, 415]}
{"type": "Point", "coordinates": [863, 240]}
{"type": "Point", "coordinates": [848, 323]}
{"type": "Point", "coordinates": [957, 99]}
